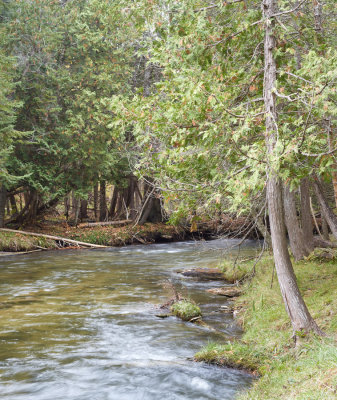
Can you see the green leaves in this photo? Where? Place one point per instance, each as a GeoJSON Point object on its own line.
{"type": "Point", "coordinates": [206, 118]}
{"type": "Point", "coordinates": [71, 59]}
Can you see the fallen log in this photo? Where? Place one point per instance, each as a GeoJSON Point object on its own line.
{"type": "Point", "coordinates": [65, 240]}
{"type": "Point", "coordinates": [225, 291]}
{"type": "Point", "coordinates": [325, 244]}
{"type": "Point", "coordinates": [106, 223]}
{"type": "Point", "coordinates": [208, 274]}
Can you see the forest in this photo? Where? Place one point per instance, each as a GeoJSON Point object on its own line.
{"type": "Point", "coordinates": [187, 113]}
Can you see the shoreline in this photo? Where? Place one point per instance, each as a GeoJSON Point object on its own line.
{"type": "Point", "coordinates": [266, 349]}
{"type": "Point", "coordinates": [112, 236]}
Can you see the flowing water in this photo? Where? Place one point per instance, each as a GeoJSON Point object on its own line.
{"type": "Point", "coordinates": [83, 325]}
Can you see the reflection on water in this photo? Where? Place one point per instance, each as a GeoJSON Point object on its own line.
{"type": "Point", "coordinates": [82, 325]}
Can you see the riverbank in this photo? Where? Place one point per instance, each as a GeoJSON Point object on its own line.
{"type": "Point", "coordinates": [110, 235]}
{"type": "Point", "coordinates": [307, 371]}
{"type": "Point", "coordinates": [99, 235]}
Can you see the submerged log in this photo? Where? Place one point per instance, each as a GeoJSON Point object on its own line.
{"type": "Point", "coordinates": [56, 238]}
{"type": "Point", "coordinates": [209, 274]}
{"type": "Point", "coordinates": [225, 291]}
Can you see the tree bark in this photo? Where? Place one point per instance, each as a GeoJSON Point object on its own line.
{"type": "Point", "coordinates": [3, 197]}
{"type": "Point", "coordinates": [14, 207]}
{"type": "Point", "coordinates": [66, 206]}
{"type": "Point", "coordinates": [32, 210]}
{"type": "Point", "coordinates": [132, 195]}
{"type": "Point", "coordinates": [102, 202]}
{"type": "Point", "coordinates": [95, 200]}
{"type": "Point", "coordinates": [151, 210]}
{"type": "Point", "coordinates": [47, 206]}
{"type": "Point", "coordinates": [306, 218]}
{"type": "Point", "coordinates": [84, 209]}
{"type": "Point", "coordinates": [21, 217]}
{"type": "Point", "coordinates": [328, 214]}
{"type": "Point", "coordinates": [299, 315]}
{"type": "Point", "coordinates": [325, 229]}
{"type": "Point", "coordinates": [334, 182]}
{"type": "Point", "coordinates": [113, 202]}
{"type": "Point", "coordinates": [295, 233]}
{"type": "Point", "coordinates": [76, 207]}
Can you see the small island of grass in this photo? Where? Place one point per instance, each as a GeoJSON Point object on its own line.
{"type": "Point", "coordinates": [186, 310]}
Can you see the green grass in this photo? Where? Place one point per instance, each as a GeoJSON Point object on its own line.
{"type": "Point", "coordinates": [305, 372]}
{"type": "Point", "coordinates": [16, 242]}
{"type": "Point", "coordinates": [93, 236]}
{"type": "Point", "coordinates": [235, 273]}
{"type": "Point", "coordinates": [186, 310]}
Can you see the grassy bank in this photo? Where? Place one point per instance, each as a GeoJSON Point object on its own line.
{"type": "Point", "coordinates": [308, 371]}
{"type": "Point", "coordinates": [112, 236]}
{"type": "Point", "coordinates": [14, 242]}
{"type": "Point", "coordinates": [101, 235]}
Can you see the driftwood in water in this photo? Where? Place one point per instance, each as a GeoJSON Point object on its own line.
{"type": "Point", "coordinates": [208, 274]}
{"type": "Point", "coordinates": [225, 291]}
{"type": "Point", "coordinates": [58, 238]}
{"type": "Point", "coordinates": [106, 223]}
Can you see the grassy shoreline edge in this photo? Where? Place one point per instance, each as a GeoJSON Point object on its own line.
{"type": "Point", "coordinates": [302, 372]}
{"type": "Point", "coordinates": [101, 235]}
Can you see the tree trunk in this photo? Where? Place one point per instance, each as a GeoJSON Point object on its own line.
{"type": "Point", "coordinates": [132, 196]}
{"type": "Point", "coordinates": [21, 205]}
{"type": "Point", "coordinates": [306, 218]}
{"type": "Point", "coordinates": [8, 206]}
{"type": "Point", "coordinates": [119, 214]}
{"type": "Point", "coordinates": [24, 212]}
{"type": "Point", "coordinates": [263, 229]}
{"type": "Point", "coordinates": [296, 237]}
{"type": "Point", "coordinates": [83, 209]}
{"type": "Point", "coordinates": [66, 206]}
{"type": "Point", "coordinates": [138, 197]}
{"type": "Point", "coordinates": [151, 210]}
{"type": "Point", "coordinates": [334, 182]}
{"type": "Point", "coordinates": [328, 214]}
{"type": "Point", "coordinates": [102, 202]}
{"type": "Point", "coordinates": [32, 211]}
{"type": "Point", "coordinates": [95, 200]}
{"type": "Point", "coordinates": [47, 206]}
{"type": "Point", "coordinates": [76, 207]}
{"type": "Point", "coordinates": [325, 229]}
{"type": "Point", "coordinates": [298, 313]}
{"type": "Point", "coordinates": [113, 202]}
{"type": "Point", "coordinates": [3, 197]}
{"type": "Point", "coordinates": [14, 207]}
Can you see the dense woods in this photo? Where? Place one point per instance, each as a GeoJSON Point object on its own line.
{"type": "Point", "coordinates": [184, 110]}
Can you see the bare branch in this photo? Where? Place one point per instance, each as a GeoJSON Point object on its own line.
{"type": "Point", "coordinates": [289, 11]}
{"type": "Point", "coordinates": [320, 154]}
{"type": "Point", "coordinates": [298, 77]}
{"type": "Point", "coordinates": [217, 5]}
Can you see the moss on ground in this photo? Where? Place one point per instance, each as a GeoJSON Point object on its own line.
{"type": "Point", "coordinates": [186, 310]}
{"type": "Point", "coordinates": [307, 371]}
{"type": "Point", "coordinates": [13, 242]}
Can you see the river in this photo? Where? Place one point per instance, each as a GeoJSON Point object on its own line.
{"type": "Point", "coordinates": [82, 325]}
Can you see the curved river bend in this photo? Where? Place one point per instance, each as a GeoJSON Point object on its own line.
{"type": "Point", "coordinates": [82, 325]}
